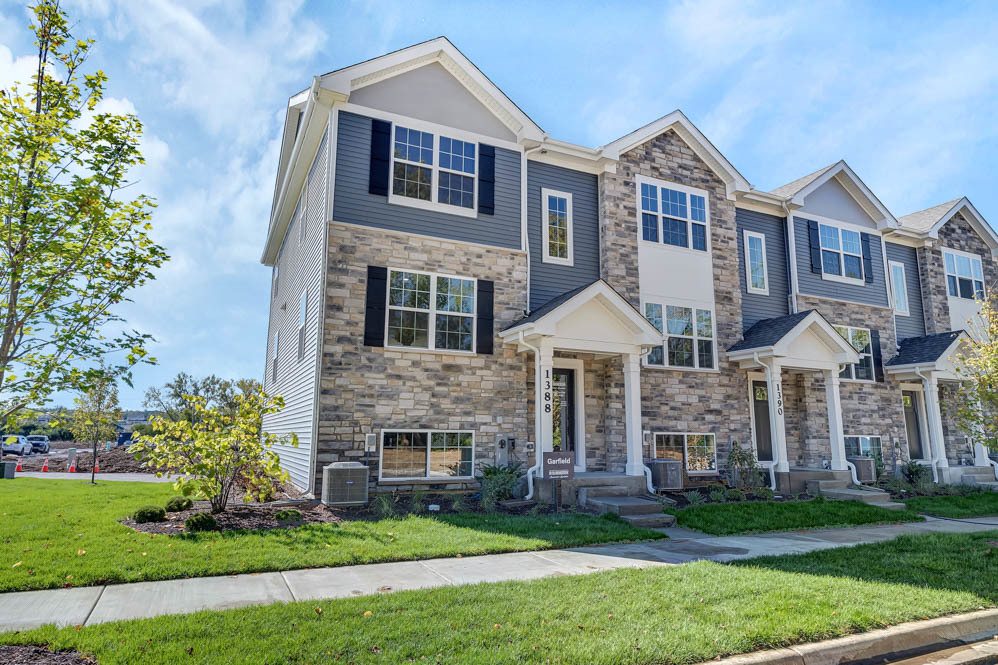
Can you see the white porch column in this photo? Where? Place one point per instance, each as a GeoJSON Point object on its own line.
{"type": "Point", "coordinates": [836, 435]}
{"type": "Point", "coordinates": [777, 426]}
{"type": "Point", "coordinates": [546, 361]}
{"type": "Point", "coordinates": [937, 441]}
{"type": "Point", "coordinates": [632, 417]}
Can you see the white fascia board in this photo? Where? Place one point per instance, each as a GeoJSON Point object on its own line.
{"type": "Point", "coordinates": [705, 150]}
{"type": "Point", "coordinates": [828, 334]}
{"type": "Point", "coordinates": [976, 220]}
{"type": "Point", "coordinates": [856, 188]}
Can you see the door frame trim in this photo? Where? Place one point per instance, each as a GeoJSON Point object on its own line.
{"type": "Point", "coordinates": [752, 377]}
{"type": "Point", "coordinates": [578, 365]}
{"type": "Point", "coordinates": [923, 430]}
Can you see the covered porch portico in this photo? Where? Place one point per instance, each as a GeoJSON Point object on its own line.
{"type": "Point", "coordinates": [770, 351]}
{"type": "Point", "coordinates": [592, 324]}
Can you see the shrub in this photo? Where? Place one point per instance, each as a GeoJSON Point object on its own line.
{"type": "Point", "coordinates": [743, 464]}
{"type": "Point", "coordinates": [384, 505]}
{"type": "Point", "coordinates": [488, 502]}
{"type": "Point", "coordinates": [765, 494]}
{"type": "Point", "coordinates": [716, 487]}
{"type": "Point", "coordinates": [457, 504]}
{"type": "Point", "coordinates": [915, 473]}
{"type": "Point", "coordinates": [416, 501]}
{"type": "Point", "coordinates": [611, 517]}
{"type": "Point", "coordinates": [694, 497]}
{"type": "Point", "coordinates": [289, 516]}
{"type": "Point", "coordinates": [178, 504]}
{"type": "Point", "coordinates": [718, 495]}
{"type": "Point", "coordinates": [200, 522]}
{"type": "Point", "coordinates": [735, 495]}
{"type": "Point", "coordinates": [498, 481]}
{"type": "Point", "coordinates": [149, 514]}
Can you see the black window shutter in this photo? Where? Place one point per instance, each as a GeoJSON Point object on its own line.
{"type": "Point", "coordinates": [374, 317]}
{"type": "Point", "coordinates": [381, 157]}
{"type": "Point", "coordinates": [878, 357]}
{"type": "Point", "coordinates": [867, 259]}
{"type": "Point", "coordinates": [486, 182]}
{"type": "Point", "coordinates": [484, 327]}
{"type": "Point", "coordinates": [815, 241]}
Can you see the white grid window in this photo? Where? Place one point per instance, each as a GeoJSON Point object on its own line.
{"type": "Point", "coordinates": [861, 340]}
{"type": "Point", "coordinates": [435, 171]}
{"type": "Point", "coordinates": [899, 284]}
{"type": "Point", "coordinates": [556, 211]}
{"type": "Point", "coordinates": [675, 214]}
{"type": "Point", "coordinates": [756, 275]}
{"type": "Point", "coordinates": [428, 311]}
{"type": "Point", "coordinates": [964, 275]}
{"type": "Point", "coordinates": [841, 252]}
{"type": "Point", "coordinates": [417, 454]}
{"type": "Point", "coordinates": [689, 340]}
{"type": "Point", "coordinates": [698, 452]}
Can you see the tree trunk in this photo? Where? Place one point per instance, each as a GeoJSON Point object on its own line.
{"type": "Point", "coordinates": [93, 467]}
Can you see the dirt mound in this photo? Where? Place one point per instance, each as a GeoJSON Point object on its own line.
{"type": "Point", "coordinates": [116, 460]}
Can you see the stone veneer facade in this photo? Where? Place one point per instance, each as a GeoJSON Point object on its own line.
{"type": "Point", "coordinates": [366, 389]}
{"type": "Point", "coordinates": [678, 401]}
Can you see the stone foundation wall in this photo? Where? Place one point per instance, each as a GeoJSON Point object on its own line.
{"type": "Point", "coordinates": [364, 389]}
{"type": "Point", "coordinates": [958, 446]}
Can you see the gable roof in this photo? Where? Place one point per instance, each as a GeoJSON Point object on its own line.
{"type": "Point", "coordinates": [795, 192]}
{"type": "Point", "coordinates": [791, 188]}
{"type": "Point", "coordinates": [924, 350]}
{"type": "Point", "coordinates": [776, 336]}
{"type": "Point", "coordinates": [930, 220]}
{"type": "Point", "coordinates": [769, 331]}
{"type": "Point", "coordinates": [693, 137]}
{"type": "Point", "coordinates": [550, 305]}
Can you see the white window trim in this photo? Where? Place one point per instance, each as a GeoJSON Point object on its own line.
{"type": "Point", "coordinates": [869, 436]}
{"type": "Point", "coordinates": [545, 193]}
{"type": "Point", "coordinates": [429, 433]}
{"type": "Point", "coordinates": [435, 168]}
{"type": "Point", "coordinates": [696, 338]}
{"type": "Point", "coordinates": [638, 181]}
{"type": "Point", "coordinates": [904, 287]}
{"type": "Point", "coordinates": [840, 226]}
{"type": "Point", "coordinates": [947, 273]}
{"type": "Point", "coordinates": [686, 455]}
{"type": "Point", "coordinates": [748, 264]}
{"type": "Point", "coordinates": [432, 319]}
{"type": "Point", "coordinates": [873, 362]}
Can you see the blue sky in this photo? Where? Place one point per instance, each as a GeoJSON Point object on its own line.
{"type": "Point", "coordinates": [905, 92]}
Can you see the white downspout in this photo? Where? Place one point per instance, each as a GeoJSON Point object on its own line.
{"type": "Point", "coordinates": [538, 459]}
{"type": "Point", "coordinates": [935, 454]}
{"type": "Point", "coordinates": [772, 465]}
{"type": "Point", "coordinates": [525, 223]}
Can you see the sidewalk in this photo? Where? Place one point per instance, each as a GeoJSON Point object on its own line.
{"type": "Point", "coordinates": [91, 605]}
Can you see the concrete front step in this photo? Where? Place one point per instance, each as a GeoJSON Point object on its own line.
{"type": "Point", "coordinates": [873, 498]}
{"type": "Point", "coordinates": [625, 505]}
{"type": "Point", "coordinates": [819, 487]}
{"type": "Point", "coordinates": [659, 521]}
{"type": "Point", "coordinates": [587, 493]}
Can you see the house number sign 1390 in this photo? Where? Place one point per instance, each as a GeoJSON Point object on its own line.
{"type": "Point", "coordinates": [779, 397]}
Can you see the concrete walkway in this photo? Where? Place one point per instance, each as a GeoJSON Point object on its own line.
{"type": "Point", "coordinates": [91, 605]}
{"type": "Point", "coordinates": [127, 477]}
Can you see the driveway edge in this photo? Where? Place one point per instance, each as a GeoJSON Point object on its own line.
{"type": "Point", "coordinates": [897, 642]}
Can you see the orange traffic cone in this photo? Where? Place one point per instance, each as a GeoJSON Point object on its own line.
{"type": "Point", "coordinates": [72, 465]}
{"type": "Point", "coordinates": [45, 466]}
{"type": "Point", "coordinates": [96, 469]}
{"type": "Point", "coordinates": [19, 467]}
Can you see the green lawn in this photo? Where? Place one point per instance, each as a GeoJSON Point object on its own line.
{"type": "Point", "coordinates": [674, 615]}
{"type": "Point", "coordinates": [974, 505]}
{"type": "Point", "coordinates": [54, 532]}
{"type": "Point", "coordinates": [725, 519]}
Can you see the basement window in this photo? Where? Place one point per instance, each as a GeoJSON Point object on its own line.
{"type": "Point", "coordinates": [419, 454]}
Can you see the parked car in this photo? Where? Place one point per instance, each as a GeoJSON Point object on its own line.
{"type": "Point", "coordinates": [39, 443]}
{"type": "Point", "coordinates": [15, 444]}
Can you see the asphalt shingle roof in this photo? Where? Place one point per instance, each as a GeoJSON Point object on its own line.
{"type": "Point", "coordinates": [769, 331]}
{"type": "Point", "coordinates": [921, 350]}
{"type": "Point", "coordinates": [791, 188]}
{"type": "Point", "coordinates": [923, 220]}
{"type": "Point", "coordinates": [551, 305]}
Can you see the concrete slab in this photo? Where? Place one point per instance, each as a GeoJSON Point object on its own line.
{"type": "Point", "coordinates": [24, 610]}
{"type": "Point", "coordinates": [149, 599]}
{"type": "Point", "coordinates": [586, 560]}
{"type": "Point", "coordinates": [322, 583]}
{"type": "Point", "coordinates": [495, 568]}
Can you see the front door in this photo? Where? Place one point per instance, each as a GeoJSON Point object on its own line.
{"type": "Point", "coordinates": [760, 415]}
{"type": "Point", "coordinates": [912, 426]}
{"type": "Point", "coordinates": [563, 415]}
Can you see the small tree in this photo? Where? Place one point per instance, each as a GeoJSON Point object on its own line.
{"type": "Point", "coordinates": [976, 401]}
{"type": "Point", "coordinates": [96, 414]}
{"type": "Point", "coordinates": [218, 448]}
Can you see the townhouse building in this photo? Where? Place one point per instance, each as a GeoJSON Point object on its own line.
{"type": "Point", "coordinates": [453, 287]}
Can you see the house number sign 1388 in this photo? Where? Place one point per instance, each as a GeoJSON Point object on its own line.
{"type": "Point", "coordinates": [547, 391]}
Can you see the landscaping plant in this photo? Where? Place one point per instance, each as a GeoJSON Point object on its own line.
{"type": "Point", "coordinates": [914, 473]}
{"type": "Point", "coordinates": [718, 495]}
{"type": "Point", "coordinates": [694, 497]}
{"type": "Point", "coordinates": [498, 481]}
{"type": "Point", "coordinates": [201, 522]}
{"type": "Point", "coordinates": [96, 415]}
{"type": "Point", "coordinates": [416, 500]}
{"type": "Point", "coordinates": [218, 449]}
{"type": "Point", "coordinates": [384, 505]}
{"type": "Point", "coordinates": [975, 402]}
{"type": "Point", "coordinates": [178, 504]}
{"type": "Point", "coordinates": [149, 514]}
{"type": "Point", "coordinates": [735, 495]}
{"type": "Point", "coordinates": [289, 516]}
{"type": "Point", "coordinates": [764, 494]}
{"type": "Point", "coordinates": [744, 468]}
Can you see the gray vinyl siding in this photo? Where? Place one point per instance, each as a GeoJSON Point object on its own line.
{"type": "Point", "coordinates": [756, 307]}
{"type": "Point", "coordinates": [353, 204]}
{"type": "Point", "coordinates": [300, 267]}
{"type": "Point", "coordinates": [812, 284]}
{"type": "Point", "coordinates": [912, 325]}
{"type": "Point", "coordinates": [548, 280]}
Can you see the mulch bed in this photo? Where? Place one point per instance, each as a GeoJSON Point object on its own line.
{"type": "Point", "coordinates": [680, 500]}
{"type": "Point", "coordinates": [31, 655]}
{"type": "Point", "coordinates": [241, 516]}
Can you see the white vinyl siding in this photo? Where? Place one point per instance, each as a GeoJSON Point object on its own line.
{"type": "Point", "coordinates": [300, 274]}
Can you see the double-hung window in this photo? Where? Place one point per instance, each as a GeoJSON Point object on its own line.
{"type": "Point", "coordinates": [861, 340]}
{"type": "Point", "coordinates": [841, 252]}
{"type": "Point", "coordinates": [675, 214]}
{"type": "Point", "coordinates": [756, 277]}
{"type": "Point", "coordinates": [899, 284]}
{"type": "Point", "coordinates": [556, 211]}
{"type": "Point", "coordinates": [688, 336]}
{"type": "Point", "coordinates": [964, 276]}
{"type": "Point", "coordinates": [428, 311]}
{"type": "Point", "coordinates": [301, 324]}
{"type": "Point", "coordinates": [697, 451]}
{"type": "Point", "coordinates": [863, 446]}
{"type": "Point", "coordinates": [438, 170]}
{"type": "Point", "coordinates": [427, 454]}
